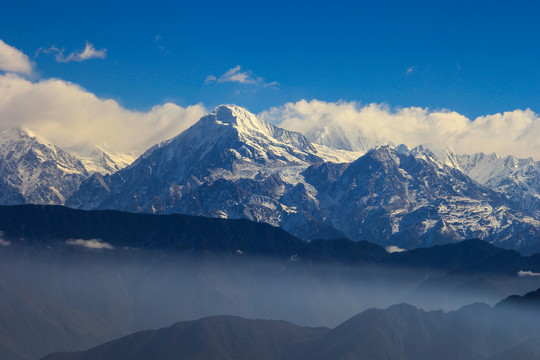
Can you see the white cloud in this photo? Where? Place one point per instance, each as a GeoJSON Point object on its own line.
{"type": "Point", "coordinates": [90, 244]}
{"type": "Point", "coordinates": [89, 52]}
{"type": "Point", "coordinates": [410, 70]}
{"type": "Point", "coordinates": [527, 273]}
{"type": "Point", "coordinates": [210, 79]}
{"type": "Point", "coordinates": [236, 74]}
{"type": "Point", "coordinates": [272, 85]}
{"type": "Point", "coordinates": [514, 132]}
{"type": "Point", "coordinates": [13, 60]}
{"type": "Point", "coordinates": [394, 249]}
{"type": "Point", "coordinates": [76, 119]}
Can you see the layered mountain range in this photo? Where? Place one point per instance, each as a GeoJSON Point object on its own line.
{"type": "Point", "coordinates": [400, 332]}
{"type": "Point", "coordinates": [232, 164]}
{"type": "Point", "coordinates": [73, 279]}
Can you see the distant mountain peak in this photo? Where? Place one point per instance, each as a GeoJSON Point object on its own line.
{"type": "Point", "coordinates": [102, 160]}
{"type": "Point", "coordinates": [384, 154]}
{"type": "Point", "coordinates": [22, 133]}
{"type": "Point", "coordinates": [41, 172]}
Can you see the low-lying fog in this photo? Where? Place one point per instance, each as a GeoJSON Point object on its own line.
{"type": "Point", "coordinates": [135, 290]}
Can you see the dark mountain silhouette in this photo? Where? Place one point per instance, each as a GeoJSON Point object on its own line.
{"type": "Point", "coordinates": [38, 226]}
{"type": "Point", "coordinates": [400, 332]}
{"type": "Point", "coordinates": [31, 327]}
{"type": "Point", "coordinates": [220, 337]}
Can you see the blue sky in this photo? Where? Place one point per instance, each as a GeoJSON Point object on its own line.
{"type": "Point", "coordinates": [473, 57]}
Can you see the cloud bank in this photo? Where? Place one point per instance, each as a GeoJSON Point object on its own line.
{"type": "Point", "coordinates": [13, 60]}
{"type": "Point", "coordinates": [77, 120]}
{"type": "Point", "coordinates": [509, 133]}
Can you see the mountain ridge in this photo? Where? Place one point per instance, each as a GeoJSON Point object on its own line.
{"type": "Point", "coordinates": [398, 332]}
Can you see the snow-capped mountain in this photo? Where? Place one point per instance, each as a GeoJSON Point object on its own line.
{"type": "Point", "coordinates": [101, 161]}
{"type": "Point", "coordinates": [407, 197]}
{"type": "Point", "coordinates": [517, 179]}
{"type": "Point", "coordinates": [231, 164]}
{"type": "Point", "coordinates": [336, 137]}
{"type": "Point", "coordinates": [35, 170]}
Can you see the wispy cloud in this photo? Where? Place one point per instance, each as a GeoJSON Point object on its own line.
{"type": "Point", "coordinates": [210, 79]}
{"type": "Point", "coordinates": [90, 244]}
{"type": "Point", "coordinates": [237, 75]}
{"type": "Point", "coordinates": [527, 273]}
{"type": "Point", "coordinates": [158, 41]}
{"type": "Point", "coordinates": [14, 60]}
{"type": "Point", "coordinates": [410, 70]}
{"type": "Point", "coordinates": [89, 52]}
{"type": "Point", "coordinates": [272, 85]}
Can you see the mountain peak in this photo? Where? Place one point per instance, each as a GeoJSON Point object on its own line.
{"type": "Point", "coordinates": [384, 153]}
{"type": "Point", "coordinates": [19, 133]}
{"type": "Point", "coordinates": [251, 129]}
{"type": "Point", "coordinates": [243, 120]}
{"type": "Point", "coordinates": [40, 171]}
{"type": "Point", "coordinates": [230, 110]}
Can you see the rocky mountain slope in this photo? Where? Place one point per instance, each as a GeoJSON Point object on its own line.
{"type": "Point", "coordinates": [229, 164]}
{"type": "Point", "coordinates": [517, 179]}
{"type": "Point", "coordinates": [104, 161]}
{"type": "Point", "coordinates": [38, 171]}
{"type": "Point", "coordinates": [35, 171]}
{"type": "Point", "coordinates": [409, 198]}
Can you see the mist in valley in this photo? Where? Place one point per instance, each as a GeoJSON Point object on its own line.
{"type": "Point", "coordinates": [119, 291]}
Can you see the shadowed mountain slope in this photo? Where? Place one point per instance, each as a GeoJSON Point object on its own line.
{"type": "Point", "coordinates": [400, 332]}
{"type": "Point", "coordinates": [220, 337]}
